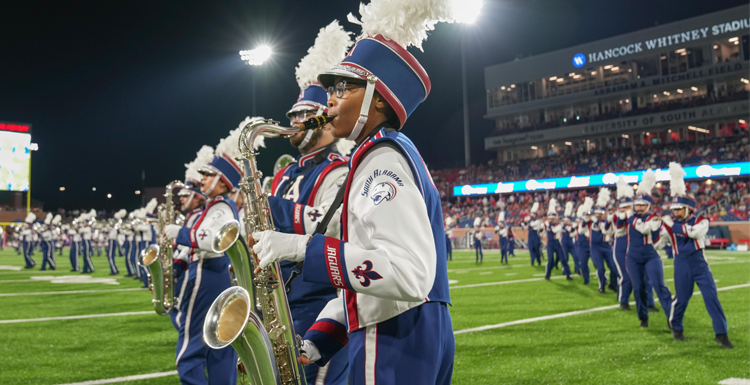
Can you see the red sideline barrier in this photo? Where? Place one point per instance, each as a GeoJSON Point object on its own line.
{"type": "Point", "coordinates": [719, 242]}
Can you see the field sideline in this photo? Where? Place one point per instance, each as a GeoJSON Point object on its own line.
{"type": "Point", "coordinates": [512, 327]}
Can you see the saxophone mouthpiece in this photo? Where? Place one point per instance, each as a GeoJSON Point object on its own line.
{"type": "Point", "coordinates": [315, 123]}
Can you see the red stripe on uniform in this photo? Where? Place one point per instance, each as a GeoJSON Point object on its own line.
{"type": "Point", "coordinates": [332, 329]}
{"type": "Point", "coordinates": [333, 262]}
{"type": "Point", "coordinates": [351, 310]}
{"type": "Point", "coordinates": [328, 169]}
{"type": "Point", "coordinates": [297, 219]}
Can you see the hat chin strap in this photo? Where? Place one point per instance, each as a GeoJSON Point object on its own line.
{"type": "Point", "coordinates": [213, 185]}
{"type": "Point", "coordinates": [306, 140]}
{"type": "Point", "coordinates": [369, 91]}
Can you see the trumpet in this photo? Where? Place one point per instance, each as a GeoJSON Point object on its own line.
{"type": "Point", "coordinates": [158, 257]}
{"type": "Point", "coordinates": [266, 341]}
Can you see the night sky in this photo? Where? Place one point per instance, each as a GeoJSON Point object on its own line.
{"type": "Point", "coordinates": [117, 88]}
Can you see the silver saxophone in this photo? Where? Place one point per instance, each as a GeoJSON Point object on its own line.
{"type": "Point", "coordinates": [254, 316]}
{"type": "Point", "coordinates": [158, 257]}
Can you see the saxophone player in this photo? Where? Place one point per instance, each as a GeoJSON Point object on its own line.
{"type": "Point", "coordinates": [391, 261]}
{"type": "Point", "coordinates": [303, 192]}
{"type": "Point", "coordinates": [192, 200]}
{"type": "Point", "coordinates": [207, 271]}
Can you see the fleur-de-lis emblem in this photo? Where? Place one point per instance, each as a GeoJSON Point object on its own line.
{"type": "Point", "coordinates": [366, 274]}
{"type": "Point", "coordinates": [314, 215]}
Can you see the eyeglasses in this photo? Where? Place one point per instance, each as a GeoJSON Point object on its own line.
{"type": "Point", "coordinates": [301, 116]}
{"type": "Point", "coordinates": [341, 87]}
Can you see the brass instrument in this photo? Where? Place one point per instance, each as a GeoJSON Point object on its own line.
{"type": "Point", "coordinates": [158, 257]}
{"type": "Point", "coordinates": [266, 343]}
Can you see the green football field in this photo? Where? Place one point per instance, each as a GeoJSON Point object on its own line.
{"type": "Point", "coordinates": [512, 327]}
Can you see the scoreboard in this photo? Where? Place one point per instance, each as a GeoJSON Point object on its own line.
{"type": "Point", "coordinates": [15, 156]}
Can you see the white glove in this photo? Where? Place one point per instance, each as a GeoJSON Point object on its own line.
{"type": "Point", "coordinates": [621, 215]}
{"type": "Point", "coordinates": [171, 231]}
{"type": "Point", "coordinates": [667, 220]}
{"type": "Point", "coordinates": [310, 350]}
{"type": "Point", "coordinates": [272, 246]}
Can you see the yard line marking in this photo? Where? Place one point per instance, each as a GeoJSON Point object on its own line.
{"type": "Point", "coordinates": [468, 269]}
{"type": "Point", "coordinates": [18, 280]}
{"type": "Point", "coordinates": [510, 273]}
{"type": "Point", "coordinates": [561, 315]}
{"type": "Point", "coordinates": [125, 379]}
{"type": "Point", "coordinates": [13, 321]}
{"type": "Point", "coordinates": [735, 381]}
{"type": "Point", "coordinates": [485, 273]}
{"type": "Point", "coordinates": [486, 268]}
{"type": "Point", "coordinates": [67, 292]}
{"type": "Point", "coordinates": [13, 268]}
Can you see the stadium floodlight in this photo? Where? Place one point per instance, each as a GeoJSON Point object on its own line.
{"type": "Point", "coordinates": [33, 146]}
{"type": "Point", "coordinates": [466, 11]}
{"type": "Point", "coordinates": [257, 56]}
{"type": "Point", "coordinates": [109, 196]}
{"type": "Point", "coordinates": [62, 188]}
{"type": "Point", "coordinates": [137, 192]}
{"type": "Point", "coordinates": [93, 189]}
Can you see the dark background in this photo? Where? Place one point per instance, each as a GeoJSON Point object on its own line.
{"type": "Point", "coordinates": [115, 89]}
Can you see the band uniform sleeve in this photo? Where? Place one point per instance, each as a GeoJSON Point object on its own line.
{"type": "Point", "coordinates": [328, 333]}
{"type": "Point", "coordinates": [699, 229]}
{"type": "Point", "coordinates": [201, 236]}
{"type": "Point", "coordinates": [396, 255]}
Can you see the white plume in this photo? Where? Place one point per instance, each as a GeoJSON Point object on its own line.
{"type": "Point", "coordinates": [568, 208]}
{"type": "Point", "coordinates": [229, 145]}
{"type": "Point", "coordinates": [330, 47]}
{"type": "Point", "coordinates": [202, 158]}
{"type": "Point", "coordinates": [345, 146]}
{"type": "Point", "coordinates": [30, 218]}
{"type": "Point", "coordinates": [580, 211]}
{"type": "Point", "coordinates": [404, 21]}
{"type": "Point", "coordinates": [121, 214]}
{"type": "Point", "coordinates": [92, 214]}
{"type": "Point", "coordinates": [48, 219]}
{"type": "Point", "coordinates": [535, 207]}
{"type": "Point", "coordinates": [677, 184]}
{"type": "Point", "coordinates": [150, 206]}
{"type": "Point", "coordinates": [552, 208]}
{"type": "Point", "coordinates": [588, 204]}
{"type": "Point", "coordinates": [501, 217]}
{"type": "Point", "coordinates": [623, 188]}
{"type": "Point", "coordinates": [56, 220]}
{"type": "Point", "coordinates": [602, 199]}
{"type": "Point", "coordinates": [140, 213]}
{"type": "Point", "coordinates": [649, 180]}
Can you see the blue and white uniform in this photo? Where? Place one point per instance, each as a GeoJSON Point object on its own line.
{"type": "Point", "coordinates": [584, 248]}
{"type": "Point", "coordinates": [642, 259]}
{"type": "Point", "coordinates": [26, 235]}
{"type": "Point", "coordinates": [569, 233]}
{"type": "Point", "coordinates": [601, 251]}
{"type": "Point", "coordinates": [624, 285]}
{"type": "Point", "coordinates": [88, 266]}
{"type": "Point", "coordinates": [75, 248]}
{"type": "Point", "coordinates": [112, 250]}
{"type": "Point", "coordinates": [48, 249]}
{"type": "Point", "coordinates": [535, 243]}
{"type": "Point", "coordinates": [181, 263]}
{"type": "Point", "coordinates": [502, 235]}
{"type": "Point", "coordinates": [302, 194]}
{"type": "Point", "coordinates": [391, 266]}
{"type": "Point", "coordinates": [691, 268]}
{"type": "Point", "coordinates": [554, 248]}
{"type": "Point", "coordinates": [207, 277]}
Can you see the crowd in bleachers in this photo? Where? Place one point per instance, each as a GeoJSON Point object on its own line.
{"type": "Point", "coordinates": [719, 150]}
{"type": "Point", "coordinates": [585, 115]}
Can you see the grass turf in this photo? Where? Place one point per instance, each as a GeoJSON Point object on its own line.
{"type": "Point", "coordinates": [598, 347]}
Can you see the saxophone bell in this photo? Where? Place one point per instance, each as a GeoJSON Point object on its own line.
{"type": "Point", "coordinates": [230, 321]}
{"type": "Point", "coordinates": [227, 240]}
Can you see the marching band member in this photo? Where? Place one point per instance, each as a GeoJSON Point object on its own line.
{"type": "Point", "coordinates": [555, 230]}
{"type": "Point", "coordinates": [568, 234]}
{"type": "Point", "coordinates": [146, 231]}
{"type": "Point", "coordinates": [47, 247]}
{"type": "Point", "coordinates": [129, 246]}
{"type": "Point", "coordinates": [75, 245]}
{"type": "Point", "coordinates": [601, 252]}
{"type": "Point", "coordinates": [476, 237]}
{"type": "Point", "coordinates": [391, 261]}
{"type": "Point", "coordinates": [85, 231]}
{"type": "Point", "coordinates": [502, 235]}
{"type": "Point", "coordinates": [584, 233]}
{"type": "Point", "coordinates": [192, 200]}
{"type": "Point", "coordinates": [27, 237]}
{"type": "Point", "coordinates": [534, 242]}
{"type": "Point", "coordinates": [112, 236]}
{"type": "Point", "coordinates": [511, 240]}
{"type": "Point", "coordinates": [642, 259]}
{"type": "Point", "coordinates": [303, 192]}
{"type": "Point", "coordinates": [688, 232]}
{"type": "Point", "coordinates": [207, 272]}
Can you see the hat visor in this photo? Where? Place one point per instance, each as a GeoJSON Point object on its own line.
{"type": "Point", "coordinates": [306, 107]}
{"type": "Point", "coordinates": [677, 206]}
{"type": "Point", "coordinates": [626, 204]}
{"type": "Point", "coordinates": [327, 78]}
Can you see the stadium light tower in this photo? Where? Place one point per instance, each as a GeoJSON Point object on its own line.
{"type": "Point", "coordinates": [256, 57]}
{"type": "Point", "coordinates": [466, 12]}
